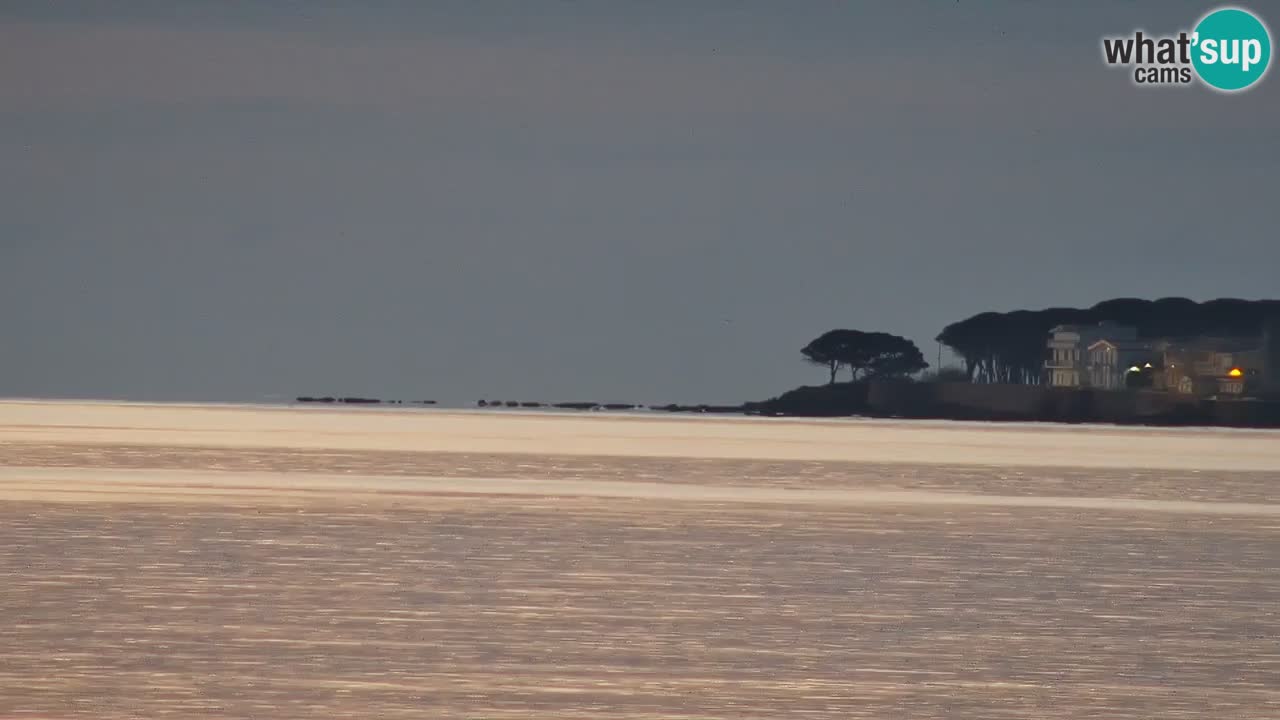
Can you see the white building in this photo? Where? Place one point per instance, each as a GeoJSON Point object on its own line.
{"type": "Point", "coordinates": [1069, 347]}
{"type": "Point", "coordinates": [1110, 360]}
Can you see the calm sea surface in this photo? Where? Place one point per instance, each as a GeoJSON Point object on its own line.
{"type": "Point", "coordinates": [149, 576]}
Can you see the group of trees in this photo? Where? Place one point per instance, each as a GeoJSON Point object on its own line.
{"type": "Point", "coordinates": [1010, 347]}
{"type": "Point", "coordinates": [866, 354]}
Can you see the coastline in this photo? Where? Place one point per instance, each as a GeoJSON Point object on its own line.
{"type": "Point", "coordinates": [877, 400]}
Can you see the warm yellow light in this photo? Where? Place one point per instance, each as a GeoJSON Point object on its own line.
{"type": "Point", "coordinates": [1135, 368]}
{"type": "Point", "coordinates": [1235, 372]}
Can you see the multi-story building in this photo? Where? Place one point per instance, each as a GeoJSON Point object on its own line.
{"type": "Point", "coordinates": [1213, 366]}
{"type": "Point", "coordinates": [1109, 362]}
{"type": "Point", "coordinates": [1110, 357]}
{"type": "Point", "coordinates": [1069, 351]}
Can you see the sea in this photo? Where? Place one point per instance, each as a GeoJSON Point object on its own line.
{"type": "Point", "coordinates": [279, 562]}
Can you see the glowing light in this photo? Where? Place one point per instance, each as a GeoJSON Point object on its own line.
{"type": "Point", "coordinates": [1147, 365]}
{"type": "Point", "coordinates": [1235, 372]}
{"type": "Point", "coordinates": [1135, 368]}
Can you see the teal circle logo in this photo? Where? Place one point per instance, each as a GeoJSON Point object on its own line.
{"type": "Point", "coordinates": [1231, 49]}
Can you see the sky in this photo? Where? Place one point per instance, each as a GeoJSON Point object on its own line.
{"type": "Point", "coordinates": [569, 200]}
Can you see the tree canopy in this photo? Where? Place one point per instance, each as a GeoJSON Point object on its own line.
{"type": "Point", "coordinates": [1011, 347]}
{"type": "Point", "coordinates": [866, 354]}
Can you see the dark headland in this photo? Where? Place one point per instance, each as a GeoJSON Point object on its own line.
{"type": "Point", "coordinates": [1171, 362]}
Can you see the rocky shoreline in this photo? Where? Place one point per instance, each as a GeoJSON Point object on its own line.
{"type": "Point", "coordinates": [329, 399]}
{"type": "Point", "coordinates": [525, 404]}
{"type": "Point", "coordinates": [939, 401]}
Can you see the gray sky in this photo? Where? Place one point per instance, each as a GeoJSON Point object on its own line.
{"type": "Point", "coordinates": [611, 201]}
